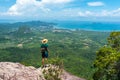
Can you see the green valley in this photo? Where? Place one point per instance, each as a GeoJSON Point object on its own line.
{"type": "Point", "coordinates": [20, 42]}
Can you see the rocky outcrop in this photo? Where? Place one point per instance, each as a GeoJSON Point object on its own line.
{"type": "Point", "coordinates": [67, 76]}
{"type": "Point", "coordinates": [17, 71]}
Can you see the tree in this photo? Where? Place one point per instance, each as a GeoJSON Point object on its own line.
{"type": "Point", "coordinates": [107, 61]}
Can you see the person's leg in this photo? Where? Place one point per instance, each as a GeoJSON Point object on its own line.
{"type": "Point", "coordinates": [46, 61]}
{"type": "Point", "coordinates": [43, 58]}
{"type": "Point", "coordinates": [43, 61]}
{"type": "Point", "coordinates": [46, 56]}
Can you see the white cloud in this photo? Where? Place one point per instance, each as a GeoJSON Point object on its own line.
{"type": "Point", "coordinates": [55, 1]}
{"type": "Point", "coordinates": [23, 7]}
{"type": "Point", "coordinates": [113, 13]}
{"type": "Point", "coordinates": [103, 13]}
{"type": "Point", "coordinates": [116, 12]}
{"type": "Point", "coordinates": [34, 7]}
{"type": "Point", "coordinates": [85, 14]}
{"type": "Point", "coordinates": [81, 14]}
{"type": "Point", "coordinates": [49, 9]}
{"type": "Point", "coordinates": [95, 3]}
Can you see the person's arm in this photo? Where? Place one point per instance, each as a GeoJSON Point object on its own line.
{"type": "Point", "coordinates": [47, 49]}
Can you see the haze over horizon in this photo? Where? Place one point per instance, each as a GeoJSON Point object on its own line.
{"type": "Point", "coordinates": [52, 10]}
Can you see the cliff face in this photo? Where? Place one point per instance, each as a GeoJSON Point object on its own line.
{"type": "Point", "coordinates": [17, 71]}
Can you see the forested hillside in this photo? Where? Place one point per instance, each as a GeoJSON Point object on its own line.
{"type": "Point", "coordinates": [107, 62]}
{"type": "Point", "coordinates": [77, 48]}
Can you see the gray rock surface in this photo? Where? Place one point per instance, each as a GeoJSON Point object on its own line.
{"type": "Point", "coordinates": [17, 71]}
{"type": "Point", "coordinates": [67, 76]}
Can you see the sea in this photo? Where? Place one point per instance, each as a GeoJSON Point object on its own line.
{"type": "Point", "coordinates": [82, 25]}
{"type": "Point", "coordinates": [89, 25]}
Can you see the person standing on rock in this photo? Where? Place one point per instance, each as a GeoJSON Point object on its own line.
{"type": "Point", "coordinates": [44, 50]}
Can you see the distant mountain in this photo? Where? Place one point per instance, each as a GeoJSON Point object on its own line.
{"type": "Point", "coordinates": [29, 23]}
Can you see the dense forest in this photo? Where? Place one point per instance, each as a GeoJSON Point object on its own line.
{"type": "Point", "coordinates": [107, 62]}
{"type": "Point", "coordinates": [20, 42]}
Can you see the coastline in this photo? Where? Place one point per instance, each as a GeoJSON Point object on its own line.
{"type": "Point", "coordinates": [89, 26]}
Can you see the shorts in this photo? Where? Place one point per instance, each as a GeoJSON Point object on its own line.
{"type": "Point", "coordinates": [44, 54]}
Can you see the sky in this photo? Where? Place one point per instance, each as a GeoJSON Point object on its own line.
{"type": "Point", "coordinates": [83, 10]}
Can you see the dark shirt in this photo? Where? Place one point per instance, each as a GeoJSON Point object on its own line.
{"type": "Point", "coordinates": [45, 46]}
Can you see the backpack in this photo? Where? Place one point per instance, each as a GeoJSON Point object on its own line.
{"type": "Point", "coordinates": [43, 48]}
